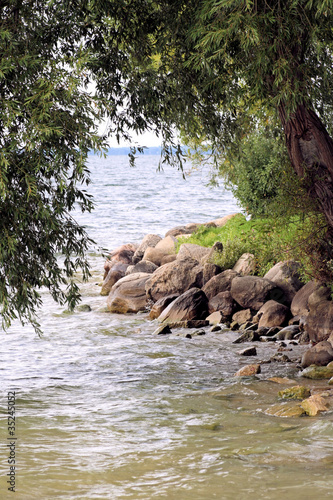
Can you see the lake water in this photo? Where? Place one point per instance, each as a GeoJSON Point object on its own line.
{"type": "Point", "coordinates": [106, 410]}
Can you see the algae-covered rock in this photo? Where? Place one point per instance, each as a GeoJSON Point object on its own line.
{"type": "Point", "coordinates": [295, 392]}
{"type": "Point", "coordinates": [314, 405]}
{"type": "Point", "coordinates": [285, 411]}
{"type": "Point", "coordinates": [318, 372]}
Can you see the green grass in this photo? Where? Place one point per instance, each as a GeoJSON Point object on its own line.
{"type": "Point", "coordinates": [269, 239]}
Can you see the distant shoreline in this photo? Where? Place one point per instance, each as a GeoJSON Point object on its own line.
{"type": "Point", "coordinates": [126, 151]}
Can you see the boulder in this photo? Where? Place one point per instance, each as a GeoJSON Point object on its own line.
{"type": "Point", "coordinates": [219, 283]}
{"type": "Point", "coordinates": [248, 371]}
{"type": "Point", "coordinates": [179, 230]}
{"type": "Point", "coordinates": [209, 271]}
{"type": "Point", "coordinates": [223, 220]}
{"type": "Point", "coordinates": [153, 255]}
{"type": "Point", "coordinates": [128, 295]}
{"type": "Point", "coordinates": [242, 317]}
{"type": "Point", "coordinates": [273, 313]}
{"type": "Point", "coordinates": [168, 258]}
{"type": "Point", "coordinates": [150, 240]}
{"type": "Point", "coordinates": [252, 292]}
{"type": "Point", "coordinates": [295, 392]}
{"type": "Point", "coordinates": [174, 278]}
{"type": "Point", "coordinates": [319, 324]}
{"type": "Point", "coordinates": [144, 266]}
{"type": "Point", "coordinates": [123, 254]}
{"type": "Point", "coordinates": [167, 245]}
{"type": "Point", "coordinates": [321, 354]}
{"type": "Point", "coordinates": [245, 265]}
{"type": "Point", "coordinates": [249, 351]}
{"type": "Point", "coordinates": [160, 305]}
{"type": "Point", "coordinates": [191, 305]}
{"type": "Point", "coordinates": [286, 275]}
{"type": "Point", "coordinates": [117, 272]}
{"type": "Point", "coordinates": [299, 305]}
{"type": "Point", "coordinates": [222, 302]}
{"type": "Point", "coordinates": [215, 318]}
{"type": "Point", "coordinates": [192, 251]}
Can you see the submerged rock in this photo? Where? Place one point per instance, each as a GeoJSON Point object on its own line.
{"type": "Point", "coordinates": [250, 351]}
{"type": "Point", "coordinates": [283, 410]}
{"type": "Point", "coordinates": [314, 405]}
{"type": "Point", "coordinates": [318, 372]}
{"type": "Point", "coordinates": [295, 392]}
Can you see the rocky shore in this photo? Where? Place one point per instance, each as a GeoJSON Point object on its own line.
{"type": "Point", "coordinates": [187, 289]}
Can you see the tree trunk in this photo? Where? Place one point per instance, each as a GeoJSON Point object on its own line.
{"type": "Point", "coordinates": [310, 150]}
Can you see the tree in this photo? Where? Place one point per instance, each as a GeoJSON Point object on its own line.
{"type": "Point", "coordinates": [47, 124]}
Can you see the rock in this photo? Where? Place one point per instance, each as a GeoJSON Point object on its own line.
{"type": "Point", "coordinates": [319, 323]}
{"type": "Point", "coordinates": [224, 303]}
{"type": "Point", "coordinates": [215, 318]}
{"type": "Point", "coordinates": [191, 305]}
{"type": "Point", "coordinates": [245, 265]}
{"type": "Point", "coordinates": [128, 295]}
{"type": "Point", "coordinates": [287, 333]}
{"type": "Point", "coordinates": [281, 380]}
{"type": "Point", "coordinates": [285, 411]}
{"type": "Point", "coordinates": [162, 330]}
{"type": "Point", "coordinates": [198, 333]}
{"type": "Point", "coordinates": [117, 272]}
{"type": "Point", "coordinates": [150, 240]}
{"type": "Point", "coordinates": [223, 220]}
{"type": "Point", "coordinates": [273, 313]}
{"type": "Point", "coordinates": [213, 254]}
{"type": "Point", "coordinates": [168, 258]}
{"type": "Point", "coordinates": [320, 355]}
{"type": "Point", "coordinates": [252, 292]}
{"type": "Point", "coordinates": [219, 283]}
{"type": "Point", "coordinates": [192, 251]}
{"type": "Point", "coordinates": [286, 275]}
{"type": "Point", "coordinates": [280, 358]}
{"type": "Point", "coordinates": [167, 245]}
{"type": "Point", "coordinates": [319, 295]}
{"type": "Point", "coordinates": [248, 336]}
{"type": "Point", "coordinates": [174, 278]}
{"type": "Point", "coordinates": [314, 405]}
{"type": "Point", "coordinates": [295, 392]}
{"type": "Point", "coordinates": [84, 308]}
{"type": "Point", "coordinates": [154, 255]}
{"type": "Point", "coordinates": [144, 266]}
{"type": "Point", "coordinates": [216, 328]}
{"type": "Point", "coordinates": [192, 323]}
{"type": "Point", "coordinates": [242, 316]}
{"type": "Point", "coordinates": [250, 351]}
{"type": "Point", "coordinates": [299, 305]}
{"type": "Point", "coordinates": [318, 372]}
{"type": "Point", "coordinates": [123, 254]}
{"type": "Point", "coordinates": [160, 305]}
{"type": "Point", "coordinates": [179, 230]}
{"type": "Point", "coordinates": [330, 382]}
{"type": "Point", "coordinates": [248, 371]}
{"type": "Point", "coordinates": [209, 271]}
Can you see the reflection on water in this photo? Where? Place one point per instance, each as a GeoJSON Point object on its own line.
{"type": "Point", "coordinates": [105, 410]}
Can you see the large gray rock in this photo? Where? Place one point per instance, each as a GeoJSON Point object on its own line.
{"type": "Point", "coordinates": [321, 354]}
{"type": "Point", "coordinates": [286, 275]}
{"type": "Point", "coordinates": [192, 304]}
{"type": "Point", "coordinates": [150, 240]}
{"type": "Point", "coordinates": [117, 272]}
{"type": "Point", "coordinates": [219, 283]}
{"type": "Point", "coordinates": [174, 278]}
{"type": "Point", "coordinates": [300, 305]}
{"type": "Point", "coordinates": [128, 295]}
{"type": "Point", "coordinates": [209, 271]}
{"type": "Point", "coordinates": [273, 313]}
{"type": "Point", "coordinates": [222, 302]}
{"type": "Point", "coordinates": [245, 265]}
{"type": "Point", "coordinates": [160, 305]}
{"type": "Point", "coordinates": [192, 251]}
{"type": "Point", "coordinates": [123, 254]}
{"type": "Point", "coordinates": [144, 266]}
{"type": "Point", "coordinates": [252, 292]}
